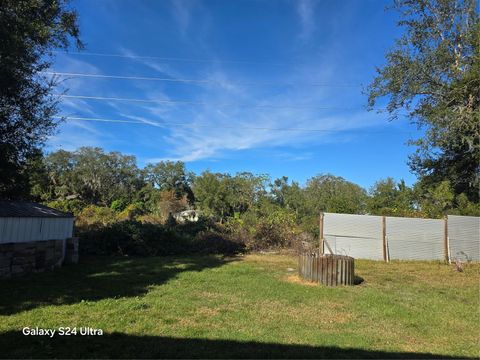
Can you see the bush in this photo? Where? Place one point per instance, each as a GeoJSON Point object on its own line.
{"type": "Point", "coordinates": [74, 206]}
{"type": "Point", "coordinates": [136, 238]}
{"type": "Point", "coordinates": [96, 216]}
{"type": "Point", "coordinates": [131, 212]}
{"type": "Point", "coordinates": [132, 238]}
{"type": "Point", "coordinates": [275, 228]}
{"type": "Point", "coordinates": [118, 205]}
{"type": "Point", "coordinates": [214, 242]}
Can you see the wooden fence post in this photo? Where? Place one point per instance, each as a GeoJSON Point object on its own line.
{"type": "Point", "coordinates": [384, 237]}
{"type": "Point", "coordinates": [445, 238]}
{"type": "Point", "coordinates": [321, 246]}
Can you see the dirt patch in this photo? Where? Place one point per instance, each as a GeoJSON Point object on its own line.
{"type": "Point", "coordinates": [298, 280]}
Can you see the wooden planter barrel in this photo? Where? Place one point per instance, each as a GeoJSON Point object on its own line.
{"type": "Point", "coordinates": [330, 270]}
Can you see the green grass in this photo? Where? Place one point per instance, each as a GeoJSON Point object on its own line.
{"type": "Point", "coordinates": [242, 307]}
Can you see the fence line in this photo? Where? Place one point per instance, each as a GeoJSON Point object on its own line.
{"type": "Point", "coordinates": [387, 237]}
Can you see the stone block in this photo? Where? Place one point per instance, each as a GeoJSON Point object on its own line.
{"type": "Point", "coordinates": [18, 269]}
{"type": "Point", "coordinates": [6, 259]}
{"type": "Point", "coordinates": [6, 248]}
{"type": "Point", "coordinates": [23, 260]}
{"type": "Point", "coordinates": [24, 249]}
{"type": "Point", "coordinates": [40, 260]}
{"type": "Point", "coordinates": [71, 256]}
{"type": "Point", "coordinates": [58, 244]}
{"type": "Point", "coordinates": [5, 272]}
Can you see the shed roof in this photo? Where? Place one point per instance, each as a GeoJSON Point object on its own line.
{"type": "Point", "coordinates": [29, 209]}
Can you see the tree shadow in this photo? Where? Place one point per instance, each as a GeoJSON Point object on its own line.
{"type": "Point", "coordinates": [119, 345]}
{"type": "Point", "coordinates": [97, 278]}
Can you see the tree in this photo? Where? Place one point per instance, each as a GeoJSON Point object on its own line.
{"type": "Point", "coordinates": [30, 30]}
{"type": "Point", "coordinates": [433, 74]}
{"type": "Point", "coordinates": [288, 196]}
{"type": "Point", "coordinates": [169, 175]}
{"type": "Point", "coordinates": [223, 195]}
{"type": "Point", "coordinates": [330, 194]}
{"type": "Point", "coordinates": [93, 176]}
{"type": "Point", "coordinates": [334, 194]}
{"type": "Point", "coordinates": [210, 194]}
{"type": "Point", "coordinates": [390, 198]}
{"type": "Point", "coordinates": [436, 201]}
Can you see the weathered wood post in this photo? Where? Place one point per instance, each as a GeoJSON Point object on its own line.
{"type": "Point", "coordinates": [321, 245]}
{"type": "Point", "coordinates": [445, 238]}
{"type": "Point", "coordinates": [384, 237]}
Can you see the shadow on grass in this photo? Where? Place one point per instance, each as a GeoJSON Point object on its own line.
{"type": "Point", "coordinates": [97, 278]}
{"type": "Point", "coordinates": [117, 345]}
{"type": "Point", "coordinates": [357, 280]}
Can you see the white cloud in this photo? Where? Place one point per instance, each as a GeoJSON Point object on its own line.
{"type": "Point", "coordinates": [207, 132]}
{"type": "Point", "coordinates": [211, 131]}
{"type": "Point", "coordinates": [182, 11]}
{"type": "Point", "coordinates": [306, 12]}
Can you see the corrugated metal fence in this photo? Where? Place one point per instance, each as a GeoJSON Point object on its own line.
{"type": "Point", "coordinates": [383, 238]}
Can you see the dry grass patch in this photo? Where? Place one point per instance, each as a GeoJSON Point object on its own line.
{"type": "Point", "coordinates": [295, 279]}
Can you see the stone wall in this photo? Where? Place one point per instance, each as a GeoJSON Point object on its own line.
{"type": "Point", "coordinates": [22, 258]}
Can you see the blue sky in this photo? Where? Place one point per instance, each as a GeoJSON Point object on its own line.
{"type": "Point", "coordinates": [259, 70]}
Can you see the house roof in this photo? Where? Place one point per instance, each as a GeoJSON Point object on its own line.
{"type": "Point", "coordinates": [28, 209]}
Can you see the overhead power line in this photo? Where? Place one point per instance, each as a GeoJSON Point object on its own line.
{"type": "Point", "coordinates": [192, 81]}
{"type": "Point", "coordinates": [167, 124]}
{"type": "Point", "coordinates": [173, 59]}
{"type": "Point", "coordinates": [187, 102]}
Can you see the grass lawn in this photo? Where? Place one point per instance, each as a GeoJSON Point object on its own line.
{"type": "Point", "coordinates": [249, 306]}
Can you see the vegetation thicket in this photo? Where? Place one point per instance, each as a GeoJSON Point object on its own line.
{"type": "Point", "coordinates": [432, 73]}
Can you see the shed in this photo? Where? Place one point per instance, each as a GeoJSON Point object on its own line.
{"type": "Point", "coordinates": [33, 237]}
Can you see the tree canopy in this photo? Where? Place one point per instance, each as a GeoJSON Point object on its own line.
{"type": "Point", "coordinates": [433, 74]}
{"type": "Point", "coordinates": [29, 30]}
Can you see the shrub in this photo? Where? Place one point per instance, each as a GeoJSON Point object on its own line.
{"type": "Point", "coordinates": [132, 238]}
{"type": "Point", "coordinates": [131, 212]}
{"type": "Point", "coordinates": [150, 219]}
{"type": "Point", "coordinates": [93, 215]}
{"type": "Point", "coordinates": [214, 242]}
{"type": "Point", "coordinates": [74, 206]}
{"type": "Point", "coordinates": [118, 205]}
{"type": "Point", "coordinates": [136, 238]}
{"type": "Point", "coordinates": [274, 228]}
{"type": "Point", "coordinates": [191, 228]}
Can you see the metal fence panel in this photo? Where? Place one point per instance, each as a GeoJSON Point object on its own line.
{"type": "Point", "coordinates": [360, 248]}
{"type": "Point", "coordinates": [358, 236]}
{"type": "Point", "coordinates": [464, 237]}
{"type": "Point", "coordinates": [415, 239]}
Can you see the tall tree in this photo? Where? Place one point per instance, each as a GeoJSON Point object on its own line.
{"type": "Point", "coordinates": [390, 198]}
{"type": "Point", "coordinates": [29, 31]}
{"type": "Point", "coordinates": [433, 73]}
{"type": "Point", "coordinates": [92, 175]}
{"type": "Point", "coordinates": [333, 194]}
{"type": "Point", "coordinates": [224, 195]}
{"type": "Point", "coordinates": [170, 175]}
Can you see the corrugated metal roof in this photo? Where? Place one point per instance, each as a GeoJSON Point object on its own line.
{"type": "Point", "coordinates": [28, 209]}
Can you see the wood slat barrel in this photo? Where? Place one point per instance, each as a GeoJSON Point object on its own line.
{"type": "Point", "coordinates": [330, 270]}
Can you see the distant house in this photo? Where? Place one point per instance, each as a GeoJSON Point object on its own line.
{"type": "Point", "coordinates": [187, 215]}
{"type": "Point", "coordinates": [34, 237]}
